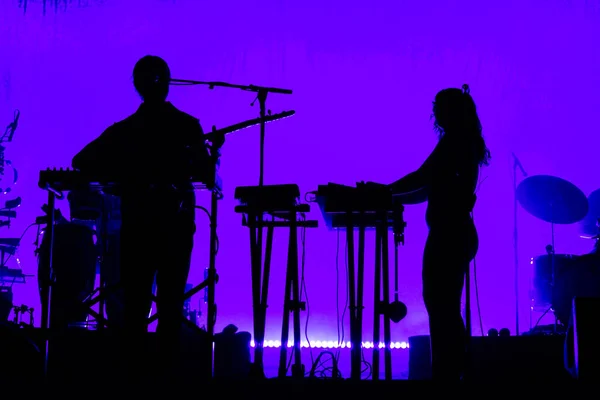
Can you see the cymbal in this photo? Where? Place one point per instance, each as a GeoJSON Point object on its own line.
{"type": "Point", "coordinates": [589, 225]}
{"type": "Point", "coordinates": [552, 199]}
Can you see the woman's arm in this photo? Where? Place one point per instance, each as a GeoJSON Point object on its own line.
{"type": "Point", "coordinates": [420, 178]}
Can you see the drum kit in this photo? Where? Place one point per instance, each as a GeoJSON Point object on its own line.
{"type": "Point", "coordinates": [560, 277]}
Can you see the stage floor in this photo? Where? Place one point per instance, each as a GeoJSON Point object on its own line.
{"type": "Point", "coordinates": [89, 359]}
{"type": "Point", "coordinates": [319, 389]}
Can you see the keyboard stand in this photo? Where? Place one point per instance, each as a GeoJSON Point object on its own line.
{"type": "Point", "coordinates": [382, 222]}
{"type": "Point", "coordinates": [254, 219]}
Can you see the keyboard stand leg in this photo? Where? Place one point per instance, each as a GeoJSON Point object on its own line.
{"type": "Point", "coordinates": [378, 304]}
{"type": "Point", "coordinates": [292, 305]}
{"type": "Point", "coordinates": [386, 301]}
{"type": "Point", "coordinates": [264, 293]}
{"type": "Point", "coordinates": [355, 350]}
{"type": "Point", "coordinates": [297, 367]}
{"type": "Point", "coordinates": [255, 227]}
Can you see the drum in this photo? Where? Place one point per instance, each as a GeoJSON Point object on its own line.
{"type": "Point", "coordinates": [580, 279]}
{"type": "Point", "coordinates": [74, 261]}
{"type": "Point", "coordinates": [542, 277]}
{"type": "Point", "coordinates": [576, 276]}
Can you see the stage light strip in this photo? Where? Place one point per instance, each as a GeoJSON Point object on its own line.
{"type": "Point", "coordinates": [319, 344]}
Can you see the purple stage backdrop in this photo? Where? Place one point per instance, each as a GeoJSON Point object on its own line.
{"type": "Point", "coordinates": [364, 75]}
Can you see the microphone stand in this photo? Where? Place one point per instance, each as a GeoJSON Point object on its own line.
{"type": "Point", "coordinates": [261, 96]}
{"type": "Point", "coordinates": [516, 165]}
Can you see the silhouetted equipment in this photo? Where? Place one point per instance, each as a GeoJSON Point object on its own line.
{"type": "Point", "coordinates": [552, 199]}
{"type": "Point", "coordinates": [9, 211]}
{"type": "Point", "coordinates": [364, 207]}
{"type": "Point", "coordinates": [8, 249]}
{"type": "Point", "coordinates": [270, 207]}
{"type": "Point", "coordinates": [9, 276]}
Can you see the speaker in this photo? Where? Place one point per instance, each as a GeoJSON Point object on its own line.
{"type": "Point", "coordinates": [6, 304]}
{"type": "Point", "coordinates": [586, 344]}
{"type": "Point", "coordinates": [520, 358]}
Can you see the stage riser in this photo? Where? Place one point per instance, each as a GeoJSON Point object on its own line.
{"type": "Point", "coordinates": [93, 356]}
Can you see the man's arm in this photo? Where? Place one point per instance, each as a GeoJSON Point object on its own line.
{"type": "Point", "coordinates": [420, 178]}
{"type": "Point", "coordinates": [201, 160]}
{"type": "Point", "coordinates": [96, 155]}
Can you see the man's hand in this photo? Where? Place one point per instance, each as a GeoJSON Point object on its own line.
{"type": "Point", "coordinates": [217, 141]}
{"type": "Point", "coordinates": [375, 186]}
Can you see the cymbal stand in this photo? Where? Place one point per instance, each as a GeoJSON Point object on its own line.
{"type": "Point", "coordinates": [553, 266]}
{"type": "Point", "coordinates": [515, 247]}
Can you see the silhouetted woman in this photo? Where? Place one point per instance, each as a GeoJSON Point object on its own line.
{"type": "Point", "coordinates": [449, 176]}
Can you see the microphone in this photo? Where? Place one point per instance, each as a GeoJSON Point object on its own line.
{"type": "Point", "coordinates": [519, 165]}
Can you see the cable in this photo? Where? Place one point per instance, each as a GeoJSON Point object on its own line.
{"type": "Point", "coordinates": [209, 215]}
{"type": "Point", "coordinates": [477, 295]}
{"type": "Point", "coordinates": [318, 367]}
{"type": "Point", "coordinates": [20, 238]}
{"type": "Point", "coordinates": [368, 367]}
{"type": "Point", "coordinates": [337, 290]}
{"type": "Point", "coordinates": [475, 268]}
{"type": "Point", "coordinates": [303, 284]}
{"type": "Point", "coordinates": [542, 316]}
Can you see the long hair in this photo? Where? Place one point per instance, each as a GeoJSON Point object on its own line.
{"type": "Point", "coordinates": [455, 116]}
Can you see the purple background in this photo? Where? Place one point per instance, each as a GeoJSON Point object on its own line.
{"type": "Point", "coordinates": [364, 75]}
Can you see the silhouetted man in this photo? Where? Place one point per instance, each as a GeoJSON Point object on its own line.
{"type": "Point", "coordinates": [152, 154]}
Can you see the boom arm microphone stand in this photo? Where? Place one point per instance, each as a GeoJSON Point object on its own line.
{"type": "Point", "coordinates": [261, 96]}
